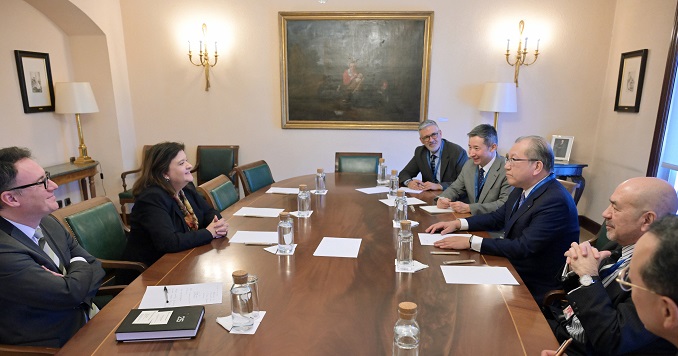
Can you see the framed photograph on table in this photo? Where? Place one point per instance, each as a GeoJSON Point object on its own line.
{"type": "Point", "coordinates": [562, 147]}
{"type": "Point", "coordinates": [35, 81]}
{"type": "Point", "coordinates": [630, 81]}
{"type": "Point", "coordinates": [354, 70]}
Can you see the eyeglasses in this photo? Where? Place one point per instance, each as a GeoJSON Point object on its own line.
{"type": "Point", "coordinates": [511, 160]}
{"type": "Point", "coordinates": [431, 136]}
{"type": "Point", "coordinates": [624, 281]}
{"type": "Point", "coordinates": [42, 181]}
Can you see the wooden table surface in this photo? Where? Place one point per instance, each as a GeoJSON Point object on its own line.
{"type": "Point", "coordinates": [333, 306]}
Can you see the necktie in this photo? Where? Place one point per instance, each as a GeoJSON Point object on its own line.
{"type": "Point", "coordinates": [42, 242]}
{"type": "Point", "coordinates": [612, 265]}
{"type": "Point", "coordinates": [433, 168]}
{"type": "Point", "coordinates": [480, 182]}
{"type": "Point", "coordinates": [519, 203]}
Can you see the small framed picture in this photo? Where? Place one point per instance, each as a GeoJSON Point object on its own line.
{"type": "Point", "coordinates": [35, 81]}
{"type": "Point", "coordinates": [630, 81]}
{"type": "Point", "coordinates": [562, 146]}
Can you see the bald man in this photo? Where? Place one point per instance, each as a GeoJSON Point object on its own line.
{"type": "Point", "coordinates": [601, 317]}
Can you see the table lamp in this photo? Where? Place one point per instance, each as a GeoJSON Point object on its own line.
{"type": "Point", "coordinates": [76, 98]}
{"type": "Point", "coordinates": [498, 97]}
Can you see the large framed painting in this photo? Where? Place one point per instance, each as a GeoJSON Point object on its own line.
{"type": "Point", "coordinates": [354, 70]}
{"type": "Point", "coordinates": [35, 81]}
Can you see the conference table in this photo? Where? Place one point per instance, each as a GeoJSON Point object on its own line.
{"type": "Point", "coordinates": [329, 305]}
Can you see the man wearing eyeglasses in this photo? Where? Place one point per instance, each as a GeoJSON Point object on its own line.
{"type": "Point", "coordinates": [48, 280]}
{"type": "Point", "coordinates": [601, 317]}
{"type": "Point", "coordinates": [439, 161]}
{"type": "Point", "coordinates": [651, 278]}
{"type": "Point", "coordinates": [539, 219]}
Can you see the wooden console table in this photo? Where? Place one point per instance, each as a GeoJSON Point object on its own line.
{"type": "Point", "coordinates": [572, 170]}
{"type": "Point", "coordinates": [70, 172]}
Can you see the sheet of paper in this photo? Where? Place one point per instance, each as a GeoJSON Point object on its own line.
{"type": "Point", "coordinates": [227, 323]}
{"type": "Point", "coordinates": [259, 212]}
{"type": "Point", "coordinates": [274, 250]}
{"type": "Point", "coordinates": [397, 224]}
{"type": "Point", "coordinates": [412, 191]}
{"type": "Point", "coordinates": [429, 239]}
{"type": "Point", "coordinates": [296, 214]}
{"type": "Point", "coordinates": [318, 193]}
{"type": "Point", "coordinates": [477, 275]}
{"type": "Point", "coordinates": [281, 190]}
{"type": "Point", "coordinates": [338, 247]}
{"type": "Point", "coordinates": [436, 210]}
{"type": "Point", "coordinates": [416, 266]}
{"type": "Point", "coordinates": [182, 295]}
{"type": "Point", "coordinates": [410, 201]}
{"type": "Point", "coordinates": [373, 190]}
{"type": "Point", "coordinates": [254, 237]}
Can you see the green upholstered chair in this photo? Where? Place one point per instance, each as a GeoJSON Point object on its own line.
{"type": "Point", "coordinates": [356, 162]}
{"type": "Point", "coordinates": [126, 196]}
{"type": "Point", "coordinates": [96, 225]}
{"type": "Point", "coordinates": [254, 176]}
{"type": "Point", "coordinates": [212, 161]}
{"type": "Point", "coordinates": [219, 192]}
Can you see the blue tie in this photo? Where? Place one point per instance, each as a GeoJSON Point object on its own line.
{"type": "Point", "coordinates": [480, 182]}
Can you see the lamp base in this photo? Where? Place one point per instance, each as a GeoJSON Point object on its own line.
{"type": "Point", "coordinates": [83, 160]}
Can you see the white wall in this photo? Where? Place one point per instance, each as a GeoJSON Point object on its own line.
{"type": "Point", "coordinates": [155, 94]}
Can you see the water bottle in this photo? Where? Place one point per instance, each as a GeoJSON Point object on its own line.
{"type": "Point", "coordinates": [400, 207]}
{"type": "Point", "coordinates": [285, 234]}
{"type": "Point", "coordinates": [303, 202]}
{"type": "Point", "coordinates": [241, 302]}
{"type": "Point", "coordinates": [394, 184]}
{"type": "Point", "coordinates": [404, 256]}
{"type": "Point", "coordinates": [381, 175]}
{"type": "Point", "coordinates": [320, 182]}
{"type": "Point", "coordinates": [406, 331]}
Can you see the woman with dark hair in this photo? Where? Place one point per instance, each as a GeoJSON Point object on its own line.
{"type": "Point", "coordinates": [168, 214]}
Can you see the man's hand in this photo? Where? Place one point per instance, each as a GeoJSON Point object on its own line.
{"type": "Point", "coordinates": [460, 207]}
{"type": "Point", "coordinates": [416, 184]}
{"type": "Point", "coordinates": [443, 203]}
{"type": "Point", "coordinates": [454, 242]}
{"type": "Point", "coordinates": [432, 186]}
{"type": "Point", "coordinates": [584, 259]}
{"type": "Point", "coordinates": [444, 227]}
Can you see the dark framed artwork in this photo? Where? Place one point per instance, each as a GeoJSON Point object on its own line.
{"type": "Point", "coordinates": [630, 81]}
{"type": "Point", "coordinates": [35, 81]}
{"type": "Point", "coordinates": [354, 70]}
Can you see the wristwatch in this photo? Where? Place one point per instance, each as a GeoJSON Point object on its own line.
{"type": "Point", "coordinates": [586, 280]}
{"type": "Point", "coordinates": [407, 182]}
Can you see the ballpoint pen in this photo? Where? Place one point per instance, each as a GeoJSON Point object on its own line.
{"type": "Point", "coordinates": [166, 296]}
{"type": "Point", "coordinates": [458, 262]}
{"type": "Point", "coordinates": [259, 244]}
{"type": "Point", "coordinates": [563, 346]}
{"type": "Point", "coordinates": [444, 252]}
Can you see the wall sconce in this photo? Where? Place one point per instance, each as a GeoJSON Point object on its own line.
{"type": "Point", "coordinates": [498, 97]}
{"type": "Point", "coordinates": [76, 98]}
{"type": "Point", "coordinates": [204, 57]}
{"type": "Point", "coordinates": [521, 55]}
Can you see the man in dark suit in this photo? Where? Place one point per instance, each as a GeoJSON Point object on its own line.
{"type": "Point", "coordinates": [482, 179]}
{"type": "Point", "coordinates": [439, 161]}
{"type": "Point", "coordinates": [539, 219]}
{"type": "Point", "coordinates": [48, 285]}
{"type": "Point", "coordinates": [601, 317]}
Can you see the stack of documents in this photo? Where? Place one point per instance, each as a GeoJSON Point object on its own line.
{"type": "Point", "coordinates": [259, 212]}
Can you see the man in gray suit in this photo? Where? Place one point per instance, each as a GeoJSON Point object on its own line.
{"type": "Point", "coordinates": [48, 280]}
{"type": "Point", "coordinates": [482, 179]}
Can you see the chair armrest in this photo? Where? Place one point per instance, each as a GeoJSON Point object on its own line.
{"type": "Point", "coordinates": [125, 174]}
{"type": "Point", "coordinates": [27, 350]}
{"type": "Point", "coordinates": [136, 266]}
{"type": "Point", "coordinates": [554, 296]}
{"type": "Point", "coordinates": [111, 290]}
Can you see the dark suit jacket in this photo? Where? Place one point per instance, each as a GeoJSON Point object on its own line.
{"type": "Point", "coordinates": [158, 227]}
{"type": "Point", "coordinates": [495, 189]}
{"type": "Point", "coordinates": [611, 323]}
{"type": "Point", "coordinates": [38, 308]}
{"type": "Point", "coordinates": [451, 162]}
{"type": "Point", "coordinates": [536, 235]}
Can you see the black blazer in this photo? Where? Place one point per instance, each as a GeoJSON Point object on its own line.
{"type": "Point", "coordinates": [536, 235]}
{"type": "Point", "coordinates": [158, 227]}
{"type": "Point", "coordinates": [39, 308]}
{"type": "Point", "coordinates": [451, 162]}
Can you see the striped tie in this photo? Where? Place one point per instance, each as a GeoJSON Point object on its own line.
{"type": "Point", "coordinates": [433, 168]}
{"type": "Point", "coordinates": [480, 182]}
{"type": "Point", "coordinates": [42, 242]}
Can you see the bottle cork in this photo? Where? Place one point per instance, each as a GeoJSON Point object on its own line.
{"type": "Point", "coordinates": [239, 276]}
{"type": "Point", "coordinates": [400, 193]}
{"type": "Point", "coordinates": [394, 172]}
{"type": "Point", "coordinates": [405, 225]}
{"type": "Point", "coordinates": [302, 187]}
{"type": "Point", "coordinates": [407, 310]}
{"type": "Point", "coordinates": [381, 160]}
{"type": "Point", "coordinates": [320, 170]}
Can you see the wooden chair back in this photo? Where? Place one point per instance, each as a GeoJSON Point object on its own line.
{"type": "Point", "coordinates": [254, 176]}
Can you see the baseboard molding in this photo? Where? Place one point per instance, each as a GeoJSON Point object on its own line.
{"type": "Point", "coordinates": [588, 224]}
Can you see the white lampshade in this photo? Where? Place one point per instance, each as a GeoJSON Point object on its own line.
{"type": "Point", "coordinates": [497, 97]}
{"type": "Point", "coordinates": [74, 98]}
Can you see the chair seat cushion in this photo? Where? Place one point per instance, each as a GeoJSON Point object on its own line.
{"type": "Point", "coordinates": [126, 195]}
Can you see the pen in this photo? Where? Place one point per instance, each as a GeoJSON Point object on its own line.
{"type": "Point", "coordinates": [412, 208]}
{"type": "Point", "coordinates": [444, 253]}
{"type": "Point", "coordinates": [457, 262]}
{"type": "Point", "coordinates": [259, 244]}
{"type": "Point", "coordinates": [563, 346]}
{"type": "Point", "coordinates": [166, 296]}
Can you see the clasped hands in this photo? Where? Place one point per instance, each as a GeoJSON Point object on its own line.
{"type": "Point", "coordinates": [584, 259]}
{"type": "Point", "coordinates": [416, 184]}
{"type": "Point", "coordinates": [218, 228]}
{"type": "Point", "coordinates": [457, 206]}
{"type": "Point", "coordinates": [450, 242]}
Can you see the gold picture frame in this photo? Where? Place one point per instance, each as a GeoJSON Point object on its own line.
{"type": "Point", "coordinates": [354, 70]}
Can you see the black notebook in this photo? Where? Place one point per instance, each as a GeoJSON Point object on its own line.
{"type": "Point", "coordinates": [160, 324]}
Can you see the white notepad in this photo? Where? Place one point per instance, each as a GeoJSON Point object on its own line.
{"type": "Point", "coordinates": [338, 247]}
